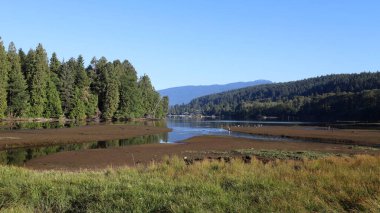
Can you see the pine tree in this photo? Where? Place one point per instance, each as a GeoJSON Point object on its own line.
{"type": "Point", "coordinates": [111, 97]}
{"type": "Point", "coordinates": [165, 106]}
{"type": "Point", "coordinates": [37, 71]}
{"type": "Point", "coordinates": [53, 106]}
{"type": "Point", "coordinates": [78, 110]}
{"type": "Point", "coordinates": [67, 89]}
{"type": "Point", "coordinates": [18, 96]}
{"type": "Point", "coordinates": [22, 57]}
{"type": "Point", "coordinates": [54, 68]}
{"type": "Point", "coordinates": [149, 97]}
{"type": "Point", "coordinates": [129, 104]}
{"type": "Point", "coordinates": [4, 70]}
{"type": "Point", "coordinates": [81, 79]}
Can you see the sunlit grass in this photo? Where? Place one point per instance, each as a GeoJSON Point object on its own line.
{"type": "Point", "coordinates": [328, 184]}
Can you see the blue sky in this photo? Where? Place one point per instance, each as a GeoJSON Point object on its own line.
{"type": "Point", "coordinates": [202, 42]}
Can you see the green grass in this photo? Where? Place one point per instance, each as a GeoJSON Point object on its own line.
{"type": "Point", "coordinates": [268, 154]}
{"type": "Point", "coordinates": [331, 184]}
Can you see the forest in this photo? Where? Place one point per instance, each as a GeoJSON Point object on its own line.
{"type": "Point", "coordinates": [337, 97]}
{"type": "Point", "coordinates": [34, 86]}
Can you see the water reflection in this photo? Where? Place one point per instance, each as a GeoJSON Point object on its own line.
{"type": "Point", "coordinates": [22, 155]}
{"type": "Point", "coordinates": [182, 129]}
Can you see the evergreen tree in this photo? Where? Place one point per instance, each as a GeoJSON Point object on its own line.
{"type": "Point", "coordinates": [32, 86]}
{"type": "Point", "coordinates": [67, 89]}
{"type": "Point", "coordinates": [149, 98]}
{"type": "Point", "coordinates": [54, 68]}
{"type": "Point", "coordinates": [81, 78]}
{"type": "Point", "coordinates": [22, 57]}
{"type": "Point", "coordinates": [111, 96]}
{"type": "Point", "coordinates": [78, 110]}
{"type": "Point", "coordinates": [18, 96]}
{"type": "Point", "coordinates": [129, 104]}
{"type": "Point", "coordinates": [37, 73]}
{"type": "Point", "coordinates": [53, 106]}
{"type": "Point", "coordinates": [165, 106]}
{"type": "Point", "coordinates": [4, 70]}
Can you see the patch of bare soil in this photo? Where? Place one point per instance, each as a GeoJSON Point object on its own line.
{"type": "Point", "coordinates": [191, 148]}
{"type": "Point", "coordinates": [43, 137]}
{"type": "Point", "coordinates": [323, 135]}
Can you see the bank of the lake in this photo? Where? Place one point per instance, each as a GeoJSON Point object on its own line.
{"type": "Point", "coordinates": [201, 147]}
{"type": "Point", "coordinates": [359, 137]}
{"type": "Point", "coordinates": [99, 132]}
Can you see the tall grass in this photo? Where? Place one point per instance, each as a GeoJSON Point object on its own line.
{"type": "Point", "coordinates": [332, 184]}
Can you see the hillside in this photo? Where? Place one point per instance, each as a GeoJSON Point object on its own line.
{"type": "Point", "coordinates": [184, 94]}
{"type": "Point", "coordinates": [325, 98]}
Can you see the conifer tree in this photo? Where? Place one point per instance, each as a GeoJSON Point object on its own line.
{"type": "Point", "coordinates": [53, 106]}
{"type": "Point", "coordinates": [78, 110]}
{"type": "Point", "coordinates": [54, 68]}
{"type": "Point", "coordinates": [129, 104]}
{"type": "Point", "coordinates": [37, 71]}
{"type": "Point", "coordinates": [81, 79]}
{"type": "Point", "coordinates": [149, 97]}
{"type": "Point", "coordinates": [18, 96]}
{"type": "Point", "coordinates": [67, 89]}
{"type": "Point", "coordinates": [4, 70]}
{"type": "Point", "coordinates": [22, 57]}
{"type": "Point", "coordinates": [111, 97]}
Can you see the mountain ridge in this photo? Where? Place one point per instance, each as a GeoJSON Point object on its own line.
{"type": "Point", "coordinates": [184, 94]}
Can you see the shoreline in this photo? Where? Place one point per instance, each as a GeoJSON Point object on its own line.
{"type": "Point", "coordinates": [13, 139]}
{"type": "Point", "coordinates": [201, 147]}
{"type": "Point", "coordinates": [359, 137]}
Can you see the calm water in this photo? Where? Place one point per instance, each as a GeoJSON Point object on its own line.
{"type": "Point", "coordinates": [182, 129]}
{"type": "Point", "coordinates": [185, 129]}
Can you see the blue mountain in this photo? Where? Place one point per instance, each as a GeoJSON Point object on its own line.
{"type": "Point", "coordinates": [184, 94]}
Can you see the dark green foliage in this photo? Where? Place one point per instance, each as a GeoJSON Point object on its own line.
{"type": "Point", "coordinates": [81, 78]}
{"type": "Point", "coordinates": [363, 106]}
{"type": "Point", "coordinates": [78, 110]}
{"type": "Point", "coordinates": [54, 67]}
{"type": "Point", "coordinates": [297, 100]}
{"type": "Point", "coordinates": [111, 98]}
{"type": "Point", "coordinates": [37, 75]}
{"type": "Point", "coordinates": [17, 96]}
{"type": "Point", "coordinates": [53, 106]}
{"type": "Point", "coordinates": [91, 104]}
{"type": "Point", "coordinates": [149, 97]}
{"type": "Point", "coordinates": [37, 87]}
{"type": "Point", "coordinates": [129, 104]}
{"type": "Point", "coordinates": [67, 89]}
{"type": "Point", "coordinates": [4, 70]}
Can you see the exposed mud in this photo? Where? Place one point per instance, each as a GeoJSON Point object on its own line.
{"type": "Point", "coordinates": [194, 148]}
{"type": "Point", "coordinates": [318, 134]}
{"type": "Point", "coordinates": [101, 132]}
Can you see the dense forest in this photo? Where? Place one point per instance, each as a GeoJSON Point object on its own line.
{"type": "Point", "coordinates": [343, 97]}
{"type": "Point", "coordinates": [32, 86]}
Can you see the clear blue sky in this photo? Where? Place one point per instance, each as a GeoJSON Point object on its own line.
{"type": "Point", "coordinates": [202, 41]}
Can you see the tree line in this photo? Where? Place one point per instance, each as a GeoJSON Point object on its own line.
{"type": "Point", "coordinates": [324, 98]}
{"type": "Point", "coordinates": [34, 86]}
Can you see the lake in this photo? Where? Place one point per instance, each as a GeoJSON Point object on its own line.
{"type": "Point", "coordinates": [182, 129]}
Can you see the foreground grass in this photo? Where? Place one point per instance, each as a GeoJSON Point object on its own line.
{"type": "Point", "coordinates": [328, 184]}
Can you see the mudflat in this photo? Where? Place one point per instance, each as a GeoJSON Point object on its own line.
{"type": "Point", "coordinates": [100, 132]}
{"type": "Point", "coordinates": [318, 134]}
{"type": "Point", "coordinates": [202, 146]}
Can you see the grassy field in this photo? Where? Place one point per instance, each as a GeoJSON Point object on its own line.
{"type": "Point", "coordinates": [321, 185]}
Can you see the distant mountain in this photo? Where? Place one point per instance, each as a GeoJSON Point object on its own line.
{"type": "Point", "coordinates": [184, 94]}
{"type": "Point", "coordinates": [338, 97]}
